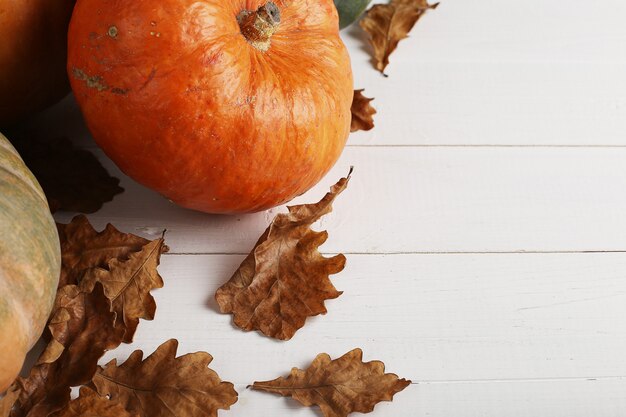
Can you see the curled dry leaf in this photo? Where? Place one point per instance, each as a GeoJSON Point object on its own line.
{"type": "Point", "coordinates": [284, 279]}
{"type": "Point", "coordinates": [127, 284]}
{"type": "Point", "coordinates": [6, 402]}
{"type": "Point", "coordinates": [66, 321]}
{"type": "Point", "coordinates": [82, 330]}
{"type": "Point", "coordinates": [72, 179]}
{"type": "Point", "coordinates": [75, 322]}
{"type": "Point", "coordinates": [82, 248]}
{"type": "Point", "coordinates": [362, 112]}
{"type": "Point", "coordinates": [163, 385]}
{"type": "Point", "coordinates": [90, 404]}
{"type": "Point", "coordinates": [115, 273]}
{"type": "Point", "coordinates": [388, 24]}
{"type": "Point", "coordinates": [339, 387]}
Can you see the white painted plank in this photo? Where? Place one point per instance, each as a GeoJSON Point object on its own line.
{"type": "Point", "coordinates": [489, 72]}
{"type": "Point", "coordinates": [498, 103]}
{"type": "Point", "coordinates": [555, 398]}
{"type": "Point", "coordinates": [428, 317]}
{"type": "Point", "coordinates": [481, 334]}
{"type": "Point", "coordinates": [501, 72]}
{"type": "Point", "coordinates": [579, 398]}
{"type": "Point", "coordinates": [471, 104]}
{"type": "Point", "coordinates": [511, 31]}
{"type": "Point", "coordinates": [425, 200]}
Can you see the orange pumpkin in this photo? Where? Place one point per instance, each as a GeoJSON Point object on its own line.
{"type": "Point", "coordinates": [33, 52]}
{"type": "Point", "coordinates": [221, 105]}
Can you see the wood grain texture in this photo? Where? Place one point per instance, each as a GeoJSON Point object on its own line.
{"type": "Point", "coordinates": [492, 72]}
{"type": "Point", "coordinates": [423, 200]}
{"type": "Point", "coordinates": [564, 398]}
{"type": "Point", "coordinates": [500, 130]}
{"type": "Point", "coordinates": [502, 322]}
{"type": "Point", "coordinates": [428, 317]}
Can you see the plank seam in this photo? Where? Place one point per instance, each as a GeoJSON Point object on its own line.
{"type": "Point", "coordinates": [451, 145]}
{"type": "Point", "coordinates": [511, 380]}
{"type": "Point", "coordinates": [557, 252]}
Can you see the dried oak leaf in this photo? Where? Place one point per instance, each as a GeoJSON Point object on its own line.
{"type": "Point", "coordinates": [73, 179]}
{"type": "Point", "coordinates": [163, 385]}
{"type": "Point", "coordinates": [82, 329]}
{"type": "Point", "coordinates": [388, 24]}
{"type": "Point", "coordinates": [90, 404]}
{"type": "Point", "coordinates": [83, 248]}
{"type": "Point", "coordinates": [127, 284]}
{"type": "Point", "coordinates": [339, 387]}
{"type": "Point", "coordinates": [362, 112]}
{"type": "Point", "coordinates": [6, 402]}
{"type": "Point", "coordinates": [284, 279]}
{"type": "Point", "coordinates": [77, 317]}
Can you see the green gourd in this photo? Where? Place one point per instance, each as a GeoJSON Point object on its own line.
{"type": "Point", "coordinates": [30, 262]}
{"type": "Point", "coordinates": [350, 10]}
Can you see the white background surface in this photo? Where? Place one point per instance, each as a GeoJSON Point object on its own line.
{"type": "Point", "coordinates": [485, 224]}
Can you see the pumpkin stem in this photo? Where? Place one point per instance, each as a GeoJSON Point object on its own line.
{"type": "Point", "coordinates": [259, 26]}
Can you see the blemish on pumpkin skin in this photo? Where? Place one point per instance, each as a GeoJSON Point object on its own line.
{"type": "Point", "coordinates": [193, 89]}
{"type": "Point", "coordinates": [150, 78]}
{"type": "Point", "coordinates": [112, 32]}
{"type": "Point", "coordinates": [120, 91]}
{"type": "Point", "coordinates": [212, 59]}
{"type": "Point", "coordinates": [247, 101]}
{"type": "Point", "coordinates": [95, 81]}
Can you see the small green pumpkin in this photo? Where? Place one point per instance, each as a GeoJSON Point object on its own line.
{"type": "Point", "coordinates": [350, 10]}
{"type": "Point", "coordinates": [30, 262]}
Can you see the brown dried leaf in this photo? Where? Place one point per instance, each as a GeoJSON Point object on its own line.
{"type": "Point", "coordinates": [65, 323]}
{"type": "Point", "coordinates": [115, 272]}
{"type": "Point", "coordinates": [89, 403]}
{"type": "Point", "coordinates": [339, 387]}
{"type": "Point", "coordinates": [163, 385]}
{"type": "Point", "coordinates": [6, 402]}
{"type": "Point", "coordinates": [127, 284]}
{"type": "Point", "coordinates": [73, 179]}
{"type": "Point", "coordinates": [284, 279]}
{"type": "Point", "coordinates": [83, 330]}
{"type": "Point", "coordinates": [83, 248]}
{"type": "Point", "coordinates": [388, 24]}
{"type": "Point", "coordinates": [362, 112]}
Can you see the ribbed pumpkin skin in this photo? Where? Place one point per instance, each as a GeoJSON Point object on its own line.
{"type": "Point", "coordinates": [30, 262]}
{"type": "Point", "coordinates": [176, 96]}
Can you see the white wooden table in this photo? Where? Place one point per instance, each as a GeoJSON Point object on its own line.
{"type": "Point", "coordinates": [485, 224]}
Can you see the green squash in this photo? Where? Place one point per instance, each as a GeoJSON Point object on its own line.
{"type": "Point", "coordinates": [30, 262]}
{"type": "Point", "coordinates": [350, 10]}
